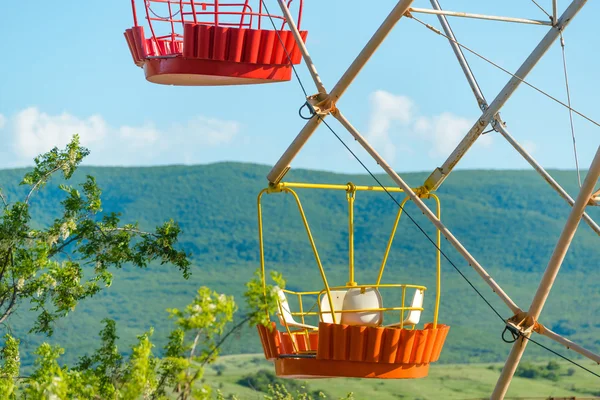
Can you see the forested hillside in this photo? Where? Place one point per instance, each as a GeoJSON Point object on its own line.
{"type": "Point", "coordinates": [509, 220]}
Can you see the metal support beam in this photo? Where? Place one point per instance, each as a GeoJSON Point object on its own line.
{"type": "Point", "coordinates": [427, 212]}
{"type": "Point", "coordinates": [570, 345]}
{"type": "Point", "coordinates": [554, 11]}
{"type": "Point", "coordinates": [461, 57]}
{"type": "Point", "coordinates": [500, 128]}
{"type": "Point", "coordinates": [481, 16]}
{"type": "Point", "coordinates": [441, 173]}
{"type": "Point", "coordinates": [302, 46]}
{"type": "Point", "coordinates": [558, 256]}
{"type": "Point", "coordinates": [499, 124]}
{"type": "Point", "coordinates": [283, 164]}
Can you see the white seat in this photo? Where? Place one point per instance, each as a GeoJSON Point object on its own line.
{"type": "Point", "coordinates": [285, 315]}
{"type": "Point", "coordinates": [414, 316]}
{"type": "Point", "coordinates": [363, 299]}
{"type": "Point", "coordinates": [337, 298]}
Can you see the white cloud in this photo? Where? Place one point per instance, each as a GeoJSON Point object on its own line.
{"type": "Point", "coordinates": [209, 131]}
{"type": "Point", "coordinates": [2, 121]}
{"type": "Point", "coordinates": [139, 136]}
{"type": "Point", "coordinates": [34, 132]}
{"type": "Point", "coordinates": [387, 109]}
{"type": "Point", "coordinates": [439, 133]}
{"type": "Point", "coordinates": [443, 132]}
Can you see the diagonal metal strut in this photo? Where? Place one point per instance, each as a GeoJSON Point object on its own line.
{"type": "Point", "coordinates": [441, 173]}
{"type": "Point", "coordinates": [283, 165]}
{"type": "Point", "coordinates": [498, 123]}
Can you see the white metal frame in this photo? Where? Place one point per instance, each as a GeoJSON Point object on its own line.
{"type": "Point", "coordinates": [324, 104]}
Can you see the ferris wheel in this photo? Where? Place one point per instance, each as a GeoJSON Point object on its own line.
{"type": "Point", "coordinates": [345, 330]}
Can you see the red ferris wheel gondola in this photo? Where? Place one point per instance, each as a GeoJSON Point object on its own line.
{"type": "Point", "coordinates": [193, 43]}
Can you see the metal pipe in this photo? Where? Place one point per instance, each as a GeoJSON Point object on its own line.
{"type": "Point", "coordinates": [283, 164]}
{"type": "Point", "coordinates": [570, 345]}
{"type": "Point", "coordinates": [391, 240]}
{"type": "Point", "coordinates": [554, 11]}
{"type": "Point", "coordinates": [438, 265]}
{"type": "Point", "coordinates": [547, 177]}
{"type": "Point", "coordinates": [441, 173]}
{"type": "Point", "coordinates": [427, 212]}
{"type": "Point", "coordinates": [566, 237]}
{"type": "Point", "coordinates": [558, 256]}
{"type": "Point", "coordinates": [461, 57]}
{"type": "Point", "coordinates": [302, 46]}
{"type": "Point", "coordinates": [315, 252]}
{"type": "Point", "coordinates": [135, 20]}
{"type": "Point", "coordinates": [350, 197]}
{"type": "Point", "coordinates": [296, 185]}
{"type": "Point", "coordinates": [514, 358]}
{"type": "Point", "coordinates": [368, 51]}
{"type": "Point", "coordinates": [481, 16]}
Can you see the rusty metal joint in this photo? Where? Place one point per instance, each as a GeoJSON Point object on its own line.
{"type": "Point", "coordinates": [524, 323]}
{"type": "Point", "coordinates": [321, 103]}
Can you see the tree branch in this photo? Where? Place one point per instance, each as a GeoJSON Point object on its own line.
{"type": "Point", "coordinates": [3, 198]}
{"type": "Point", "coordinates": [11, 306]}
{"type": "Point", "coordinates": [224, 338]}
{"type": "Point", "coordinates": [42, 180]}
{"type": "Point", "coordinates": [63, 245]}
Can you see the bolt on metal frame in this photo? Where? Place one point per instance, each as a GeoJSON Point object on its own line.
{"type": "Point", "coordinates": [324, 104]}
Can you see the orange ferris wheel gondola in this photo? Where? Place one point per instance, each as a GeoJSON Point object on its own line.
{"type": "Point", "coordinates": [193, 43]}
{"type": "Point", "coordinates": [346, 330]}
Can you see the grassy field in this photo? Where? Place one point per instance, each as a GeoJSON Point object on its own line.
{"type": "Point", "coordinates": [450, 381]}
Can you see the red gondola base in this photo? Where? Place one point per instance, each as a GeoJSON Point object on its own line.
{"type": "Point", "coordinates": [214, 55]}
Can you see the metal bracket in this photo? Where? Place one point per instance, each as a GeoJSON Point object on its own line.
{"type": "Point", "coordinates": [524, 323]}
{"type": "Point", "coordinates": [321, 103]}
{"type": "Point", "coordinates": [595, 199]}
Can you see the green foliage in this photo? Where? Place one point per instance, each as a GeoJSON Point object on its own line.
{"type": "Point", "coordinates": [106, 363]}
{"type": "Point", "coordinates": [54, 267]}
{"type": "Point", "coordinates": [105, 374]}
{"type": "Point", "coordinates": [551, 371]}
{"type": "Point", "coordinates": [194, 343]}
{"type": "Point", "coordinates": [139, 379]}
{"type": "Point", "coordinates": [9, 371]}
{"type": "Point", "coordinates": [48, 380]}
{"type": "Point", "coordinates": [261, 297]}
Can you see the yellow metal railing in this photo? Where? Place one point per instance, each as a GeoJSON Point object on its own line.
{"type": "Point", "coordinates": [350, 189]}
{"type": "Point", "coordinates": [308, 232]}
{"type": "Point", "coordinates": [438, 252]}
{"type": "Point", "coordinates": [302, 295]}
{"type": "Point", "coordinates": [402, 308]}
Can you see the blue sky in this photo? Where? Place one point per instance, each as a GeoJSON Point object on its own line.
{"type": "Point", "coordinates": [66, 69]}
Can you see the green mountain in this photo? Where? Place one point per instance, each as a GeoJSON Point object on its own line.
{"type": "Point", "coordinates": [509, 220]}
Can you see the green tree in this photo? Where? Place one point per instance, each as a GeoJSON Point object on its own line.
{"type": "Point", "coordinates": [54, 267]}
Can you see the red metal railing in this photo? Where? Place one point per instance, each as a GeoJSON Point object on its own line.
{"type": "Point", "coordinates": [217, 13]}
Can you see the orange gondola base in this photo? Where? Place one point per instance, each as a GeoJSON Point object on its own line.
{"type": "Point", "coordinates": [354, 351]}
{"type": "Point", "coordinates": [210, 44]}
